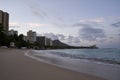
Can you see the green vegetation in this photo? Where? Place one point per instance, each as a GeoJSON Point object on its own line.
{"type": "Point", "coordinates": [5, 39]}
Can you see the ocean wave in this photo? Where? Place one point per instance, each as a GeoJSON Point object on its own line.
{"type": "Point", "coordinates": [98, 59]}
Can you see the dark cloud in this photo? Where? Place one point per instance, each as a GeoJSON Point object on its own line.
{"type": "Point", "coordinates": [76, 40]}
{"type": "Point", "coordinates": [54, 36]}
{"type": "Point", "coordinates": [68, 39]}
{"type": "Point", "coordinates": [51, 35]}
{"type": "Point", "coordinates": [72, 39]}
{"type": "Point", "coordinates": [111, 37]}
{"type": "Point", "coordinates": [119, 34]}
{"type": "Point", "coordinates": [117, 24]}
{"type": "Point", "coordinates": [91, 34]}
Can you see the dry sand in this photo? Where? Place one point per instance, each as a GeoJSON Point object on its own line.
{"type": "Point", "coordinates": [14, 65]}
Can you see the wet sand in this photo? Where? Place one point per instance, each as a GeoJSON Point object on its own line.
{"type": "Point", "coordinates": [14, 65]}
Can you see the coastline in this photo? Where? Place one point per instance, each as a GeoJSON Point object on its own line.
{"type": "Point", "coordinates": [100, 69]}
{"type": "Point", "coordinates": [16, 66]}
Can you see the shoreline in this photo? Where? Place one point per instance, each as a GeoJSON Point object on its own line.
{"type": "Point", "coordinates": [104, 70]}
{"type": "Point", "coordinates": [16, 66]}
{"type": "Point", "coordinates": [94, 60]}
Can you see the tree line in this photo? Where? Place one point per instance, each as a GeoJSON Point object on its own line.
{"type": "Point", "coordinates": [6, 39]}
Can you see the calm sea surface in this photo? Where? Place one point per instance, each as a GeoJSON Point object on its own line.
{"type": "Point", "coordinates": [99, 62]}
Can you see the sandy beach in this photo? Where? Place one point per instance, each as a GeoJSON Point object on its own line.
{"type": "Point", "coordinates": [14, 65]}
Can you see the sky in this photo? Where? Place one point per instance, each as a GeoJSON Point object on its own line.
{"type": "Point", "coordinates": [75, 22]}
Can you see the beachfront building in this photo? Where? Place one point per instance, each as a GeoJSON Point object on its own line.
{"type": "Point", "coordinates": [13, 32]}
{"type": "Point", "coordinates": [48, 42]}
{"type": "Point", "coordinates": [4, 21]}
{"type": "Point", "coordinates": [31, 36]}
{"type": "Point", "coordinates": [43, 41]}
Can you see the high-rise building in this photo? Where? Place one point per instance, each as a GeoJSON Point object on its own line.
{"type": "Point", "coordinates": [31, 36]}
{"type": "Point", "coordinates": [4, 21]}
{"type": "Point", "coordinates": [43, 41]}
{"type": "Point", "coordinates": [48, 42]}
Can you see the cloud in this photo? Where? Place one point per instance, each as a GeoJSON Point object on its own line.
{"type": "Point", "coordinates": [17, 25]}
{"type": "Point", "coordinates": [61, 37]}
{"type": "Point", "coordinates": [91, 34]}
{"type": "Point", "coordinates": [96, 20]}
{"type": "Point", "coordinates": [35, 8]}
{"type": "Point", "coordinates": [40, 13]}
{"type": "Point", "coordinates": [81, 25]}
{"type": "Point", "coordinates": [114, 17]}
{"type": "Point", "coordinates": [119, 34]}
{"type": "Point", "coordinates": [14, 25]}
{"type": "Point", "coordinates": [35, 24]}
{"type": "Point", "coordinates": [76, 40]}
{"type": "Point", "coordinates": [89, 23]}
{"type": "Point", "coordinates": [54, 36]}
{"type": "Point", "coordinates": [117, 24]}
{"type": "Point", "coordinates": [67, 39]}
{"type": "Point", "coordinates": [72, 39]}
{"type": "Point", "coordinates": [113, 42]}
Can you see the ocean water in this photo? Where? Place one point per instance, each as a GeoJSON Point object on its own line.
{"type": "Point", "coordinates": [99, 62]}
